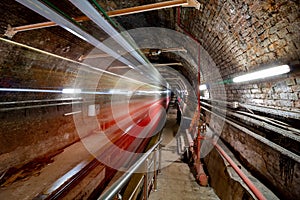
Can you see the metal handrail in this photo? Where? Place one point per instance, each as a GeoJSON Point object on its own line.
{"type": "Point", "coordinates": [120, 183]}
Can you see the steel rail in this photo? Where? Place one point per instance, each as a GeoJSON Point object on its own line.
{"type": "Point", "coordinates": [257, 127]}
{"type": "Point", "coordinates": [285, 133]}
{"type": "Point", "coordinates": [271, 121]}
{"type": "Point", "coordinates": [120, 183]}
{"type": "Point", "coordinates": [263, 118]}
{"type": "Point", "coordinates": [261, 139]}
{"type": "Point", "coordinates": [262, 108]}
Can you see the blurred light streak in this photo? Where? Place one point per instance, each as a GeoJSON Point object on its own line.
{"type": "Point", "coordinates": [71, 91]}
{"type": "Point", "coordinates": [98, 19]}
{"type": "Point", "coordinates": [202, 87]}
{"type": "Point", "coordinates": [48, 13]}
{"type": "Point", "coordinates": [79, 63]}
{"type": "Point", "coordinates": [79, 91]}
{"type": "Point", "coordinates": [28, 90]}
{"type": "Point", "coordinates": [273, 71]}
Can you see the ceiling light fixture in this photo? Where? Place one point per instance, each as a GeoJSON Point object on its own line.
{"type": "Point", "coordinates": [71, 91]}
{"type": "Point", "coordinates": [282, 69]}
{"type": "Point", "coordinates": [203, 87]}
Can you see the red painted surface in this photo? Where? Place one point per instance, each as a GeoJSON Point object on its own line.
{"type": "Point", "coordinates": [249, 183]}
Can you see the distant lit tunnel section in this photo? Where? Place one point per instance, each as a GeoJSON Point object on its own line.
{"type": "Point", "coordinates": [124, 113]}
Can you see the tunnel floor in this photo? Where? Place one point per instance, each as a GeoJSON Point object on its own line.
{"type": "Point", "coordinates": [31, 186]}
{"type": "Point", "coordinates": [176, 181]}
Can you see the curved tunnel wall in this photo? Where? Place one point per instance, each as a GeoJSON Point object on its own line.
{"type": "Point", "coordinates": [25, 133]}
{"type": "Point", "coordinates": [243, 36]}
{"type": "Point", "coordinates": [239, 37]}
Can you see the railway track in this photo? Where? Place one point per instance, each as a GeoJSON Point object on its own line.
{"type": "Point", "coordinates": [273, 130]}
{"type": "Point", "coordinates": [89, 177]}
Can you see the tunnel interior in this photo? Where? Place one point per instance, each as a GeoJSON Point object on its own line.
{"type": "Point", "coordinates": [83, 75]}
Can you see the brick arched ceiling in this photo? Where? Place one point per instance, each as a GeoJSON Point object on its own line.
{"type": "Point", "coordinates": [239, 35]}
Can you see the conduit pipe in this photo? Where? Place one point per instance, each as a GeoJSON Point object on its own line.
{"type": "Point", "coordinates": [285, 133]}
{"type": "Point", "coordinates": [249, 183]}
{"type": "Point", "coordinates": [260, 138]}
{"type": "Point", "coordinates": [262, 108]}
{"type": "Point", "coordinates": [276, 147]}
{"type": "Point", "coordinates": [252, 187]}
{"type": "Point", "coordinates": [155, 6]}
{"type": "Point", "coordinates": [202, 178]}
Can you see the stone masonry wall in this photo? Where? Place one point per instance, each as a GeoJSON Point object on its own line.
{"type": "Point", "coordinates": [23, 68]}
{"type": "Point", "coordinates": [281, 93]}
{"type": "Point", "coordinates": [31, 132]}
{"type": "Point", "coordinates": [243, 36]}
{"type": "Point", "coordinates": [280, 172]}
{"type": "Point", "coordinates": [221, 179]}
{"type": "Point", "coordinates": [277, 171]}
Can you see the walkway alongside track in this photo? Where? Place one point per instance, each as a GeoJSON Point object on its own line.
{"type": "Point", "coordinates": [176, 181]}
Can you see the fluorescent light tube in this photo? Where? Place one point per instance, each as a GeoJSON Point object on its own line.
{"type": "Point", "coordinates": [71, 91]}
{"type": "Point", "coordinates": [202, 87]}
{"type": "Point", "coordinates": [263, 73]}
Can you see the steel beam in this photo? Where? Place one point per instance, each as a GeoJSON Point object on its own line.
{"type": "Point", "coordinates": [11, 31]}
{"type": "Point", "coordinates": [167, 64]}
{"type": "Point", "coordinates": [103, 55]}
{"type": "Point", "coordinates": [155, 6]}
{"type": "Point", "coordinates": [100, 55]}
{"type": "Point", "coordinates": [155, 65]}
{"type": "Point", "coordinates": [174, 50]}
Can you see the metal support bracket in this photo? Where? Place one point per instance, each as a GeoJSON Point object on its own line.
{"type": "Point", "coordinates": [10, 32]}
{"type": "Point", "coordinates": [193, 4]}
